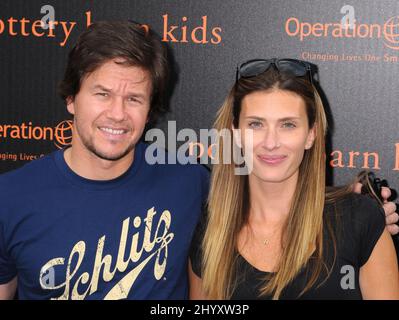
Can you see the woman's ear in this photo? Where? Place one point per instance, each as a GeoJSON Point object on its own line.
{"type": "Point", "coordinates": [236, 136]}
{"type": "Point", "coordinates": [311, 138]}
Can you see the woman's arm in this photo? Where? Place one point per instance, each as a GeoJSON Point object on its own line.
{"type": "Point", "coordinates": [195, 282]}
{"type": "Point", "coordinates": [379, 276]}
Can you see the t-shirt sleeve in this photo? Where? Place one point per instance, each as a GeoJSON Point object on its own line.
{"type": "Point", "coordinates": [196, 244]}
{"type": "Point", "coordinates": [205, 180]}
{"type": "Point", "coordinates": [7, 266]}
{"type": "Point", "coordinates": [371, 219]}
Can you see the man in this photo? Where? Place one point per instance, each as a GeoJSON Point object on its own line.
{"type": "Point", "coordinates": [96, 221]}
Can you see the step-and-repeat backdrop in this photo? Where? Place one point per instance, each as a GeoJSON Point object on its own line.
{"type": "Point", "coordinates": [355, 45]}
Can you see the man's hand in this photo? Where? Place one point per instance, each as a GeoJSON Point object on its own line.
{"type": "Point", "coordinates": [391, 217]}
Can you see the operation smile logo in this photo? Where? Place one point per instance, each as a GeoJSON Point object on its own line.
{"type": "Point", "coordinates": [61, 134]}
{"type": "Point", "coordinates": [388, 31]}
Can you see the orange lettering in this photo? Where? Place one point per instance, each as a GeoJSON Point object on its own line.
{"type": "Point", "coordinates": [338, 161]}
{"type": "Point", "coordinates": [366, 164]}
{"type": "Point", "coordinates": [51, 28]}
{"type": "Point", "coordinates": [166, 32]}
{"type": "Point", "coordinates": [88, 18]}
{"type": "Point", "coordinates": [15, 132]}
{"type": "Point", "coordinates": [218, 37]}
{"type": "Point", "coordinates": [317, 27]}
{"type": "Point", "coordinates": [11, 26]}
{"type": "Point", "coordinates": [211, 152]}
{"type": "Point", "coordinates": [287, 26]}
{"type": "Point", "coordinates": [352, 155]}
{"type": "Point", "coordinates": [200, 28]}
{"type": "Point", "coordinates": [184, 31]}
{"type": "Point", "coordinates": [67, 31]}
{"type": "Point", "coordinates": [191, 149]}
{"type": "Point", "coordinates": [23, 25]}
{"type": "Point", "coordinates": [36, 24]}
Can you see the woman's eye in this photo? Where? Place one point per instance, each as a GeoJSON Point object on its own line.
{"type": "Point", "coordinates": [289, 125]}
{"type": "Point", "coordinates": [255, 124]}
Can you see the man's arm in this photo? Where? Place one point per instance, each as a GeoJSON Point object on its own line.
{"type": "Point", "coordinates": [8, 290]}
{"type": "Point", "coordinates": [379, 276]}
{"type": "Point", "coordinates": [391, 217]}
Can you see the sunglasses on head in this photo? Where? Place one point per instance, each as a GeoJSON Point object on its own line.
{"type": "Point", "coordinates": [253, 68]}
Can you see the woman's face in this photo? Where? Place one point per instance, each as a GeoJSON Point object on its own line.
{"type": "Point", "coordinates": [281, 133]}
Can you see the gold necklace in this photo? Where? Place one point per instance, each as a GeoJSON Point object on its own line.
{"type": "Point", "coordinates": [264, 240]}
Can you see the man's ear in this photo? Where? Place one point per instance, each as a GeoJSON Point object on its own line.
{"type": "Point", "coordinates": [70, 105]}
{"type": "Point", "coordinates": [311, 138]}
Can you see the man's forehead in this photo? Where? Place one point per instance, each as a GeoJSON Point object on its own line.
{"type": "Point", "coordinates": [111, 74]}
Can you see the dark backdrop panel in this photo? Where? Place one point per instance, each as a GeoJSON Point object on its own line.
{"type": "Point", "coordinates": [361, 95]}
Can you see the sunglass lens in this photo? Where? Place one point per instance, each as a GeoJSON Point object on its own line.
{"type": "Point", "coordinates": [293, 67]}
{"type": "Point", "coordinates": [254, 68]}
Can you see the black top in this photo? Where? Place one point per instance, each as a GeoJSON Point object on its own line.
{"type": "Point", "coordinates": [357, 221]}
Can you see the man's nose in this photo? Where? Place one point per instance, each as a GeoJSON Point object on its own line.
{"type": "Point", "coordinates": [117, 110]}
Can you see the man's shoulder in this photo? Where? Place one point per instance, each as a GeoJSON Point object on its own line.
{"type": "Point", "coordinates": [167, 163]}
{"type": "Point", "coordinates": [30, 173]}
{"type": "Point", "coordinates": [183, 173]}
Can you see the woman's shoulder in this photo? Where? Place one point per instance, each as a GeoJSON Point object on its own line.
{"type": "Point", "coordinates": [355, 206]}
{"type": "Point", "coordinates": [359, 222]}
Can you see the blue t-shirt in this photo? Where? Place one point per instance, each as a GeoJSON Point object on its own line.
{"type": "Point", "coordinates": [67, 237]}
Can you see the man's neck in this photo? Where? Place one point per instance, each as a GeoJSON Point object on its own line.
{"type": "Point", "coordinates": [90, 166]}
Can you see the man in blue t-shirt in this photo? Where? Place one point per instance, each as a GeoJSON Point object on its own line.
{"type": "Point", "coordinates": [96, 221]}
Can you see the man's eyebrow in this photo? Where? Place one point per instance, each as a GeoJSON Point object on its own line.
{"type": "Point", "coordinates": [101, 87]}
{"type": "Point", "coordinates": [129, 94]}
{"type": "Point", "coordinates": [136, 94]}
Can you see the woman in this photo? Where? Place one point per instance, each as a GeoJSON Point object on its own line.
{"type": "Point", "coordinates": [276, 233]}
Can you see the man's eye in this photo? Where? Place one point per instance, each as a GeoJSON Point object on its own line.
{"type": "Point", "coordinates": [102, 94]}
{"type": "Point", "coordinates": [133, 99]}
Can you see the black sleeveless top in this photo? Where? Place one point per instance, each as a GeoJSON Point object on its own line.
{"type": "Point", "coordinates": [357, 221]}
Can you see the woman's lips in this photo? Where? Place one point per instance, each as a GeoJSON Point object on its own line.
{"type": "Point", "coordinates": [272, 160]}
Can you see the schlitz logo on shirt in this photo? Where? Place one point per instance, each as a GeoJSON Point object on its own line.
{"type": "Point", "coordinates": [154, 244]}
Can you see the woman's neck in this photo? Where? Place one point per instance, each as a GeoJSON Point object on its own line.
{"type": "Point", "coordinates": [270, 202]}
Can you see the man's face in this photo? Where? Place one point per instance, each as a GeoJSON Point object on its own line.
{"type": "Point", "coordinates": [111, 110]}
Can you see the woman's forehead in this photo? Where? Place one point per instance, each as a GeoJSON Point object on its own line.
{"type": "Point", "coordinates": [283, 102]}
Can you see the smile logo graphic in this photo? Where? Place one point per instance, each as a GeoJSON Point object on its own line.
{"type": "Point", "coordinates": [391, 33]}
{"type": "Point", "coordinates": [63, 134]}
